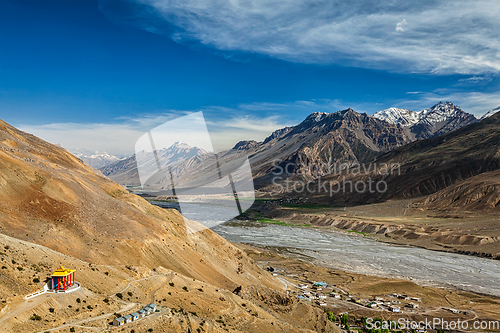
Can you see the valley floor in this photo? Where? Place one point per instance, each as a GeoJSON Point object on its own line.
{"type": "Point", "coordinates": [397, 222]}
{"type": "Point", "coordinates": [355, 292]}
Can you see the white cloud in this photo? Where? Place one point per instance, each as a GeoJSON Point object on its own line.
{"type": "Point", "coordinates": [400, 25]}
{"type": "Point", "coordinates": [446, 36]}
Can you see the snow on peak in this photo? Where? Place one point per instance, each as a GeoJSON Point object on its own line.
{"type": "Point", "coordinates": [490, 113]}
{"type": "Point", "coordinates": [395, 116]}
{"type": "Point", "coordinates": [317, 116]}
{"type": "Point", "coordinates": [442, 111]}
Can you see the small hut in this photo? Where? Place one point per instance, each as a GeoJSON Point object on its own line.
{"type": "Point", "coordinates": [119, 321]}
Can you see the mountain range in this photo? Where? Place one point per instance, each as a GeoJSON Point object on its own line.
{"type": "Point", "coordinates": [322, 138]}
{"type": "Point", "coordinates": [125, 171]}
{"type": "Point", "coordinates": [95, 159]}
{"type": "Point", "coordinates": [451, 167]}
{"type": "Point", "coordinates": [440, 119]}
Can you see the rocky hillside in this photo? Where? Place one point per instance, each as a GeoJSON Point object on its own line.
{"type": "Point", "coordinates": [51, 198]}
{"type": "Point", "coordinates": [432, 165]}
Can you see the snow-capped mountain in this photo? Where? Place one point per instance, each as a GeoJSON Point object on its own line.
{"type": "Point", "coordinates": [395, 116]}
{"type": "Point", "coordinates": [95, 159]}
{"type": "Point", "coordinates": [490, 113]}
{"type": "Point", "coordinates": [125, 171]}
{"type": "Point", "coordinates": [439, 119]}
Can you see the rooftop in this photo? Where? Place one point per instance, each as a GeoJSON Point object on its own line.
{"type": "Point", "coordinates": [61, 271]}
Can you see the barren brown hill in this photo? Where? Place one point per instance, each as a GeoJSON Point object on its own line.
{"type": "Point", "coordinates": [51, 199]}
{"type": "Point", "coordinates": [479, 193]}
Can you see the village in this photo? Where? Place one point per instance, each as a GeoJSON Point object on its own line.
{"type": "Point", "coordinates": [341, 306]}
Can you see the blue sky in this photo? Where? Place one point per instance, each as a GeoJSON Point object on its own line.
{"type": "Point", "coordinates": [96, 74]}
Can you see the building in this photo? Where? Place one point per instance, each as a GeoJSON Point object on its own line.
{"type": "Point", "coordinates": [372, 305]}
{"type": "Point", "coordinates": [62, 279]}
{"type": "Point", "coordinates": [135, 316]}
{"type": "Point", "coordinates": [413, 305]}
{"type": "Point", "coordinates": [119, 321]}
{"type": "Point", "coordinates": [394, 309]}
{"type": "Point", "coordinates": [142, 313]}
{"type": "Point", "coordinates": [128, 318]}
{"type": "Point", "coordinates": [147, 310]}
{"type": "Point", "coordinates": [152, 306]}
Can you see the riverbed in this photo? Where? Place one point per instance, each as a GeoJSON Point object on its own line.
{"type": "Point", "coordinates": [356, 253]}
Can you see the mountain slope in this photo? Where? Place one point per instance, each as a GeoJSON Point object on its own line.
{"type": "Point", "coordinates": [51, 198]}
{"type": "Point", "coordinates": [396, 116]}
{"type": "Point", "coordinates": [490, 113]}
{"type": "Point", "coordinates": [478, 193]}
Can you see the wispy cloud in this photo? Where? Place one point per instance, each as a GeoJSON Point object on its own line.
{"type": "Point", "coordinates": [440, 37]}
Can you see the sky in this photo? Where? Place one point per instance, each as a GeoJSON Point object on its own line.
{"type": "Point", "coordinates": [96, 75]}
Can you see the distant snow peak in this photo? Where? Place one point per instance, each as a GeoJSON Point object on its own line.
{"type": "Point", "coordinates": [395, 116]}
{"type": "Point", "coordinates": [180, 144]}
{"type": "Point", "coordinates": [95, 159]}
{"type": "Point", "coordinates": [490, 113]}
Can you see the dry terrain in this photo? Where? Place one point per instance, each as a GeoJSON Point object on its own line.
{"type": "Point", "coordinates": [359, 290]}
{"type": "Point", "coordinates": [54, 209]}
